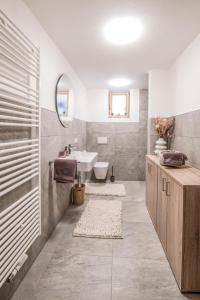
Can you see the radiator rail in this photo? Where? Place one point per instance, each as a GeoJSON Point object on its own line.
{"type": "Point", "coordinates": [20, 222]}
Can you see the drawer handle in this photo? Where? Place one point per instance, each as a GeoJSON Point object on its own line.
{"type": "Point", "coordinates": [163, 184]}
{"type": "Point", "coordinates": [167, 188]}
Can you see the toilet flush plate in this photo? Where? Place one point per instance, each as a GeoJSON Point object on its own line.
{"type": "Point", "coordinates": [103, 140]}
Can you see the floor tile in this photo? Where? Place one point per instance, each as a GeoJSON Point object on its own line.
{"type": "Point", "coordinates": [143, 279]}
{"type": "Point", "coordinates": [135, 189]}
{"type": "Point", "coordinates": [86, 246]}
{"type": "Point", "coordinates": [134, 211]}
{"type": "Point", "coordinates": [88, 292]}
{"type": "Point", "coordinates": [68, 271]}
{"type": "Point", "coordinates": [134, 268]}
{"type": "Point", "coordinates": [24, 294]}
{"type": "Point", "coordinates": [140, 241]}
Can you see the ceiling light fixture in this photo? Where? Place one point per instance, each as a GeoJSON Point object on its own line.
{"type": "Point", "coordinates": [122, 31]}
{"type": "Point", "coordinates": [119, 82]}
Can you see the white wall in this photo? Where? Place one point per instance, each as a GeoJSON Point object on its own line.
{"type": "Point", "coordinates": [158, 93]}
{"type": "Point", "coordinates": [184, 80]}
{"type": "Point", "coordinates": [52, 62]}
{"type": "Point", "coordinates": [177, 90]}
{"type": "Point", "coordinates": [97, 111]}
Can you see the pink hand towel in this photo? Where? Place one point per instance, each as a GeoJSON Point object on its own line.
{"type": "Point", "coordinates": [65, 170]}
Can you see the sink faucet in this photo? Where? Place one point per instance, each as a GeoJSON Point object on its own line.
{"type": "Point", "coordinates": [70, 148]}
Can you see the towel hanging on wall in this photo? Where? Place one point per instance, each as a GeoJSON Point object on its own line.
{"type": "Point", "coordinates": [65, 170]}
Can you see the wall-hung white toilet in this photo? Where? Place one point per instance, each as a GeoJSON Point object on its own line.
{"type": "Point", "coordinates": [100, 169]}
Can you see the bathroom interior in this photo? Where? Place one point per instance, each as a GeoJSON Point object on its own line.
{"type": "Point", "coordinates": [99, 149]}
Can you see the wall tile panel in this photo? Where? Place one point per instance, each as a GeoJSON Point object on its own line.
{"type": "Point", "coordinates": [127, 143]}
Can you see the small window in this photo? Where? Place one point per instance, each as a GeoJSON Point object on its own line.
{"type": "Point", "coordinates": [119, 104]}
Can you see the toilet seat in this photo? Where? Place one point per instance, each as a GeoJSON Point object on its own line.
{"type": "Point", "coordinates": [101, 164]}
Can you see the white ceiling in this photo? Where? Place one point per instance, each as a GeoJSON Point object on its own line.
{"type": "Point", "coordinates": [76, 26]}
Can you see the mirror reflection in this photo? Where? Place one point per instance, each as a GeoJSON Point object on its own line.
{"type": "Point", "coordinates": [64, 99]}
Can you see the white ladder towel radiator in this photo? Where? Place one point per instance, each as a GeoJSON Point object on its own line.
{"type": "Point", "coordinates": [20, 222]}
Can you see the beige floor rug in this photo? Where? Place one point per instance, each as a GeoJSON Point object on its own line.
{"type": "Point", "coordinates": [101, 219]}
{"type": "Point", "coordinates": [105, 189]}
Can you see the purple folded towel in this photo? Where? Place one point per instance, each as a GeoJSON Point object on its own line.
{"type": "Point", "coordinates": [172, 158]}
{"type": "Point", "coordinates": [65, 170]}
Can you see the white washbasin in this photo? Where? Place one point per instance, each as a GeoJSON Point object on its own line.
{"type": "Point", "coordinates": [85, 160]}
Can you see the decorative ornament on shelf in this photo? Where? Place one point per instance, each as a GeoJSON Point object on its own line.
{"type": "Point", "coordinates": [164, 128]}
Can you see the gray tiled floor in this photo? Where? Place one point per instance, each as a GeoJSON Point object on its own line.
{"type": "Point", "coordinates": [134, 268]}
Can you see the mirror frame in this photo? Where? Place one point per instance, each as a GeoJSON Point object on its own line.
{"type": "Point", "coordinates": [56, 93]}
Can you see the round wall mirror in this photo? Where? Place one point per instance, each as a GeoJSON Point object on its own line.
{"type": "Point", "coordinates": [64, 100]}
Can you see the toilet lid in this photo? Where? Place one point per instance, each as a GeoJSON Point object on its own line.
{"type": "Point", "coordinates": [101, 164]}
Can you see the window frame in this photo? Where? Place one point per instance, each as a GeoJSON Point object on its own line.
{"type": "Point", "coordinates": [123, 93]}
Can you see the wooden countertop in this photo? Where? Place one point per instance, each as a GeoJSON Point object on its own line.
{"type": "Point", "coordinates": [185, 176]}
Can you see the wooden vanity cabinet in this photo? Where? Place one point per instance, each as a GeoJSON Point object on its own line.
{"type": "Point", "coordinates": [176, 218]}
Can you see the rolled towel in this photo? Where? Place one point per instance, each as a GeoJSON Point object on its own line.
{"type": "Point", "coordinates": [172, 158]}
{"type": "Point", "coordinates": [65, 170]}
